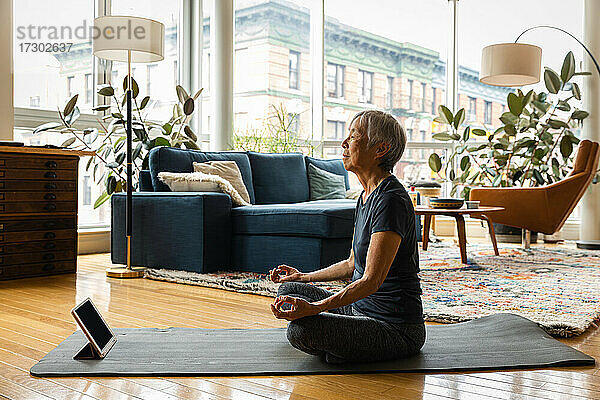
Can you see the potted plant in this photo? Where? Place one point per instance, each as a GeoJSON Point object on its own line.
{"type": "Point", "coordinates": [108, 139]}
{"type": "Point", "coordinates": [533, 146]}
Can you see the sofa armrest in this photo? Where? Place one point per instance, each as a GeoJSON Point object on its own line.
{"type": "Point", "coordinates": [177, 230]}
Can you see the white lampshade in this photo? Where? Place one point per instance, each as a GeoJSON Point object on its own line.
{"type": "Point", "coordinates": [510, 64]}
{"type": "Point", "coordinates": [115, 36]}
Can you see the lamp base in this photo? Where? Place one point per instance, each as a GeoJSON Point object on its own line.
{"type": "Point", "coordinates": [124, 272]}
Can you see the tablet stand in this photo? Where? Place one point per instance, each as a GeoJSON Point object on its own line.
{"type": "Point", "coordinates": [87, 352]}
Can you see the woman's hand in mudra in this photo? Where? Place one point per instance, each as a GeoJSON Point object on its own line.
{"type": "Point", "coordinates": [285, 273]}
{"type": "Point", "coordinates": [299, 308]}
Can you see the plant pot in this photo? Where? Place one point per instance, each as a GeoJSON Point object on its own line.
{"type": "Point", "coordinates": [510, 234]}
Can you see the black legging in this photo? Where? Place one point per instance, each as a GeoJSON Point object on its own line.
{"type": "Point", "coordinates": [342, 335]}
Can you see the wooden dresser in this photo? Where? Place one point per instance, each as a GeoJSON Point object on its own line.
{"type": "Point", "coordinates": [38, 211]}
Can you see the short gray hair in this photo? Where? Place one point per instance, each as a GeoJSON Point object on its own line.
{"type": "Point", "coordinates": [382, 127]}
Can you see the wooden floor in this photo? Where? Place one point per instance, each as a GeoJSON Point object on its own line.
{"type": "Point", "coordinates": [34, 318]}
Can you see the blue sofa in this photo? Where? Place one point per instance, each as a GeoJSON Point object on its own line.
{"type": "Point", "coordinates": [202, 232]}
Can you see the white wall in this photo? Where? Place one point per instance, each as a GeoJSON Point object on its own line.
{"type": "Point", "coordinates": [6, 71]}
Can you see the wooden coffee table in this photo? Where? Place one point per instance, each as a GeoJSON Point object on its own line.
{"type": "Point", "coordinates": [457, 214]}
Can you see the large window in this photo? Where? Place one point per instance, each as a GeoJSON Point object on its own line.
{"type": "Point", "coordinates": [44, 81]}
{"type": "Point", "coordinates": [335, 80]}
{"type": "Point", "coordinates": [273, 76]}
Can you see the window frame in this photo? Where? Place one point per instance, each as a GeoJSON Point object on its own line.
{"type": "Point", "coordinates": [389, 92]}
{"type": "Point", "coordinates": [363, 90]}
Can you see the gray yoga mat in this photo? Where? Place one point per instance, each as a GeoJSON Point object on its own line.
{"type": "Point", "coordinates": [498, 341]}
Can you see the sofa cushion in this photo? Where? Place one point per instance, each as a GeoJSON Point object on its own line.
{"type": "Point", "coordinates": [169, 159]}
{"type": "Point", "coordinates": [335, 166]}
{"type": "Point", "coordinates": [325, 185]}
{"type": "Point", "coordinates": [322, 218]}
{"type": "Point", "coordinates": [279, 178]}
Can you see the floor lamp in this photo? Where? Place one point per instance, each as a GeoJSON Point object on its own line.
{"type": "Point", "coordinates": [518, 64]}
{"type": "Point", "coordinates": [137, 40]}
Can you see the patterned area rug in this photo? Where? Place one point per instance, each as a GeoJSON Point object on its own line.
{"type": "Point", "coordinates": [557, 288]}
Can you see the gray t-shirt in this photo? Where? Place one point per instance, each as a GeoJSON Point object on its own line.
{"type": "Point", "coordinates": [398, 299]}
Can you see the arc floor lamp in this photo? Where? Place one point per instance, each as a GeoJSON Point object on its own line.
{"type": "Point", "coordinates": [517, 64]}
{"type": "Point", "coordinates": [128, 39]}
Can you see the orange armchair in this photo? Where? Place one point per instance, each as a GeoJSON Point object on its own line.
{"type": "Point", "coordinates": [545, 208]}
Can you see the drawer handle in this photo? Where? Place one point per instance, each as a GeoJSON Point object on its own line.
{"type": "Point", "coordinates": [48, 267]}
{"type": "Point", "coordinates": [49, 207]}
{"type": "Point", "coordinates": [50, 175]}
{"type": "Point", "coordinates": [50, 186]}
{"type": "Point", "coordinates": [49, 196]}
{"type": "Point", "coordinates": [47, 246]}
{"type": "Point", "coordinates": [51, 164]}
{"type": "Point", "coordinates": [49, 235]}
{"type": "Point", "coordinates": [49, 256]}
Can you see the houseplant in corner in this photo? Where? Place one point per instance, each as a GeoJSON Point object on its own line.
{"type": "Point", "coordinates": [533, 146]}
{"type": "Point", "coordinates": [108, 138]}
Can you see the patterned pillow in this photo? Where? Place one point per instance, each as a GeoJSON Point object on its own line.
{"type": "Point", "coordinates": [227, 170]}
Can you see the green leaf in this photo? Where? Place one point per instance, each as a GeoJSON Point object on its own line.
{"type": "Point", "coordinates": [563, 106]}
{"type": "Point", "coordinates": [106, 91]}
{"type": "Point", "coordinates": [136, 152]}
{"type": "Point", "coordinates": [198, 94]}
{"type": "Point", "coordinates": [580, 114]}
{"type": "Point", "coordinates": [555, 167]}
{"type": "Point", "coordinates": [70, 105]}
{"type": "Point", "coordinates": [101, 199]}
{"type": "Point", "coordinates": [101, 108]}
{"type": "Point", "coordinates": [452, 175]}
{"type": "Point", "coordinates": [479, 132]}
{"type": "Point", "coordinates": [46, 127]}
{"type": "Point", "coordinates": [459, 118]}
{"type": "Point", "coordinates": [552, 80]}
{"type": "Point", "coordinates": [466, 133]}
{"type": "Point", "coordinates": [68, 142]}
{"type": "Point", "coordinates": [160, 141]}
{"type": "Point", "coordinates": [557, 124]}
{"type": "Point", "coordinates": [441, 136]}
{"type": "Point", "coordinates": [191, 145]}
{"type": "Point", "coordinates": [514, 104]}
{"type": "Point", "coordinates": [566, 147]}
{"type": "Point", "coordinates": [465, 162]}
{"type": "Point", "coordinates": [538, 177]}
{"type": "Point", "coordinates": [87, 166]}
{"type": "Point", "coordinates": [144, 102]}
{"type": "Point", "coordinates": [445, 114]}
{"type": "Point", "coordinates": [168, 128]}
{"type": "Point", "coordinates": [568, 67]}
{"type": "Point", "coordinates": [455, 136]}
{"type": "Point", "coordinates": [190, 133]}
{"type": "Point", "coordinates": [510, 130]}
{"type": "Point", "coordinates": [188, 106]}
{"type": "Point", "coordinates": [135, 90]}
{"type": "Point", "coordinates": [435, 162]}
{"type": "Point", "coordinates": [181, 94]}
{"type": "Point", "coordinates": [111, 184]}
{"type": "Point", "coordinates": [528, 97]}
{"type": "Point", "coordinates": [575, 90]}
{"type": "Point", "coordinates": [117, 115]}
{"type": "Point", "coordinates": [120, 158]}
{"type": "Point", "coordinates": [581, 73]}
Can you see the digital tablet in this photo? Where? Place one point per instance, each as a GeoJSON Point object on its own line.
{"type": "Point", "coordinates": [101, 337]}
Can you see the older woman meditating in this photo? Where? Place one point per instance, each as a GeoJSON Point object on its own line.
{"type": "Point", "coordinates": [379, 316]}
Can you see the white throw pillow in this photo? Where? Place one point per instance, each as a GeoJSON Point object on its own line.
{"type": "Point", "coordinates": [200, 182]}
{"type": "Point", "coordinates": [227, 170]}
